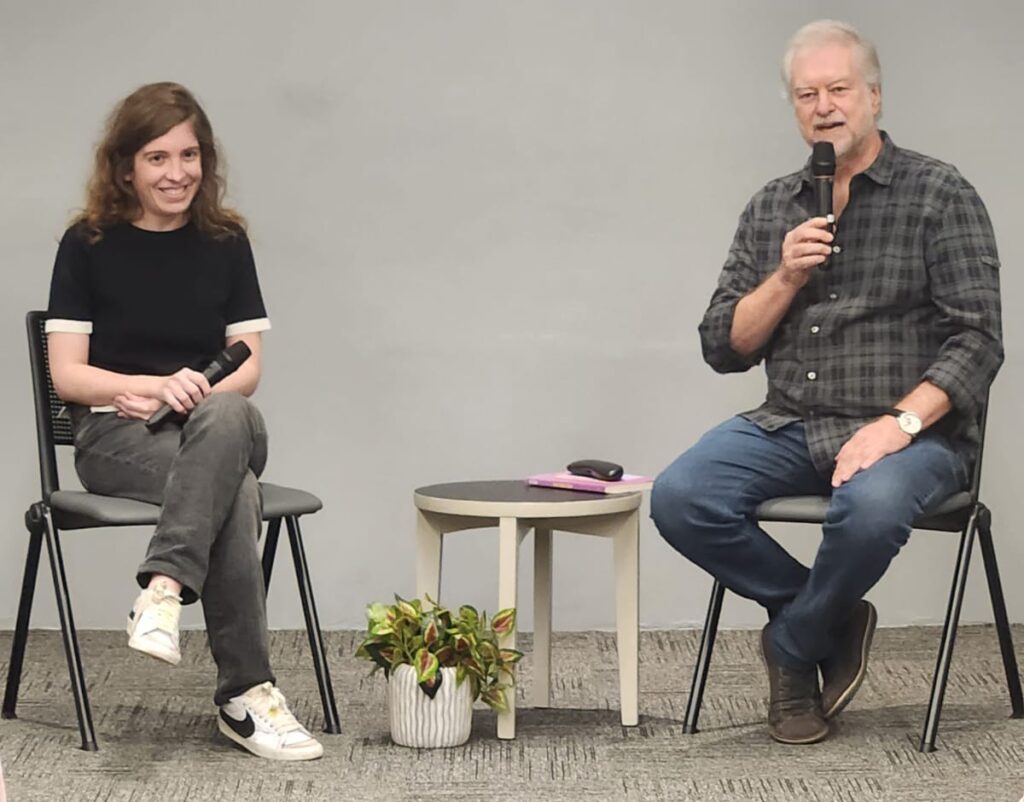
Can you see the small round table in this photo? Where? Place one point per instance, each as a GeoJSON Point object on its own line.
{"type": "Point", "coordinates": [515, 508]}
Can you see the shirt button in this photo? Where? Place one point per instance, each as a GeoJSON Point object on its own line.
{"type": "Point", "coordinates": [811, 375]}
{"type": "Point", "coordinates": [836, 249]}
{"type": "Point", "coordinates": [815, 329]}
{"type": "Point", "coordinates": [832, 296]}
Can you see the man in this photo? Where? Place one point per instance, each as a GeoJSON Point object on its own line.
{"type": "Point", "coordinates": [877, 369]}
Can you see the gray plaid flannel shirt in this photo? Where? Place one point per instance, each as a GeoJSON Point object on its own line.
{"type": "Point", "coordinates": [912, 295]}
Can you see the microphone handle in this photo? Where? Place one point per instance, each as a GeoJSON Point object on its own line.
{"type": "Point", "coordinates": [157, 418]}
{"type": "Point", "coordinates": [823, 193]}
{"type": "Point", "coordinates": [214, 373]}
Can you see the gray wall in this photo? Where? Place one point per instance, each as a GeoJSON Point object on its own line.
{"type": "Point", "coordinates": [486, 232]}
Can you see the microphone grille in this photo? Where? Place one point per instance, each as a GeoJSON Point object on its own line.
{"type": "Point", "coordinates": [823, 159]}
{"type": "Point", "coordinates": [236, 353]}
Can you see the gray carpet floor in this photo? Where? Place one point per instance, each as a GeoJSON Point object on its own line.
{"type": "Point", "coordinates": [159, 741]}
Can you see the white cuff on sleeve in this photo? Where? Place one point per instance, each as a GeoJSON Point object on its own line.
{"type": "Point", "coordinates": [68, 326]}
{"type": "Point", "coordinates": [247, 327]}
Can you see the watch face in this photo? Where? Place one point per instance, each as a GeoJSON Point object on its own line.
{"type": "Point", "coordinates": [909, 423]}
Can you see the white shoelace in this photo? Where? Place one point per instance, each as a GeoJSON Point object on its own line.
{"type": "Point", "coordinates": [270, 704]}
{"type": "Point", "coordinates": [163, 610]}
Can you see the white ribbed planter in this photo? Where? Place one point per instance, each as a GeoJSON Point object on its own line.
{"type": "Point", "coordinates": [418, 720]}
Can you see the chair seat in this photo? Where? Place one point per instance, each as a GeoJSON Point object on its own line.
{"type": "Point", "coordinates": [76, 509]}
{"type": "Point", "coordinates": [947, 516]}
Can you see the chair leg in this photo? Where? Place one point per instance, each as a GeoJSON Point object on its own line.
{"type": "Point", "coordinates": [67, 628]}
{"type": "Point", "coordinates": [270, 550]}
{"type": "Point", "coordinates": [316, 640]}
{"type": "Point", "coordinates": [995, 590]}
{"type": "Point", "coordinates": [28, 587]}
{"type": "Point", "coordinates": [700, 671]}
{"type": "Point", "coordinates": [942, 664]}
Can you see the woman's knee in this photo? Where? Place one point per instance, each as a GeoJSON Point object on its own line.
{"type": "Point", "coordinates": [225, 406]}
{"type": "Point", "coordinates": [234, 422]}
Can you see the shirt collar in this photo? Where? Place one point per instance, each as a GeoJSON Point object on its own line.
{"type": "Point", "coordinates": [880, 171]}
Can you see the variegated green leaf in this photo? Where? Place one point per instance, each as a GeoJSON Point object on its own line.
{"type": "Point", "coordinates": [494, 697]}
{"type": "Point", "coordinates": [488, 651]}
{"type": "Point", "coordinates": [375, 652]}
{"type": "Point", "coordinates": [408, 610]}
{"type": "Point", "coordinates": [376, 612]}
{"type": "Point", "coordinates": [504, 622]}
{"type": "Point", "coordinates": [426, 666]}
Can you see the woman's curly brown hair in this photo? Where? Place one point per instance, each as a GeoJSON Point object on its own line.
{"type": "Point", "coordinates": [147, 113]}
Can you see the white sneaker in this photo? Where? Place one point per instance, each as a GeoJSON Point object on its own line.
{"type": "Point", "coordinates": [260, 721]}
{"type": "Point", "coordinates": [153, 624]}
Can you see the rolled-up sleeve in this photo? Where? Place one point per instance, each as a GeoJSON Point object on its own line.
{"type": "Point", "coordinates": [963, 270]}
{"type": "Point", "coordinates": [738, 277]}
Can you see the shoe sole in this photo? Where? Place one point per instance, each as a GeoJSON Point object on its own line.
{"type": "Point", "coordinates": [801, 741]}
{"type": "Point", "coordinates": [268, 754]}
{"type": "Point", "coordinates": [847, 696]}
{"type": "Point", "coordinates": [148, 649]}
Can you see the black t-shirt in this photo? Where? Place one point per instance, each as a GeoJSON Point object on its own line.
{"type": "Point", "coordinates": [154, 301]}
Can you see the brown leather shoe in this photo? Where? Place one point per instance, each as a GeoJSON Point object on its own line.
{"type": "Point", "coordinates": [794, 706]}
{"type": "Point", "coordinates": [843, 671]}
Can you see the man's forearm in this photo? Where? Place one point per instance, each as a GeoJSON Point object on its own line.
{"type": "Point", "coordinates": [928, 401]}
{"type": "Point", "coordinates": [759, 313]}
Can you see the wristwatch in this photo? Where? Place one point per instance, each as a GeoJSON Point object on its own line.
{"type": "Point", "coordinates": [909, 422]}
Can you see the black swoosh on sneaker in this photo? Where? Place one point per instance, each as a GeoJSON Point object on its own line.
{"type": "Point", "coordinates": [245, 728]}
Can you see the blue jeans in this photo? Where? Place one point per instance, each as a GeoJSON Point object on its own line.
{"type": "Point", "coordinates": [703, 505]}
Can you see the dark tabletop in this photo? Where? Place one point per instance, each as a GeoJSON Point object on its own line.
{"type": "Point", "coordinates": [506, 490]}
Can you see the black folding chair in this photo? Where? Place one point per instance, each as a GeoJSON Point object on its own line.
{"type": "Point", "coordinates": [962, 512]}
{"type": "Point", "coordinates": [69, 509]}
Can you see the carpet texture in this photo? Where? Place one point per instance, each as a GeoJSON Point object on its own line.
{"type": "Point", "coordinates": [158, 738]}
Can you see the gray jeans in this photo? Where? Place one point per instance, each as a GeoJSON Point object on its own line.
{"type": "Point", "coordinates": [203, 473]}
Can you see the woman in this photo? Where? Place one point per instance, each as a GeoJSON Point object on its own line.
{"type": "Point", "coordinates": [152, 280]}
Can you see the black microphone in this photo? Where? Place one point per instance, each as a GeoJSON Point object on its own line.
{"type": "Point", "coordinates": [823, 168]}
{"type": "Point", "coordinates": [223, 365]}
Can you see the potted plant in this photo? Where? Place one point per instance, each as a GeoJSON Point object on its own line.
{"type": "Point", "coordinates": [438, 663]}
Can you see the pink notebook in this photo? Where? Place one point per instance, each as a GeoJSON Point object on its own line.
{"type": "Point", "coordinates": [629, 483]}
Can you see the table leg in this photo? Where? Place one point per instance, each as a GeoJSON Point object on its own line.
{"type": "Point", "coordinates": [429, 539]}
{"type": "Point", "coordinates": [510, 532]}
{"type": "Point", "coordinates": [627, 615]}
{"type": "Point", "coordinates": [542, 552]}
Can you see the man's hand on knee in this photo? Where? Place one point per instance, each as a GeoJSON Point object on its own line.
{"type": "Point", "coordinates": [869, 444]}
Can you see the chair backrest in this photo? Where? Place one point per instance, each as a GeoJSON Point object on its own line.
{"type": "Point", "coordinates": [975, 488]}
{"type": "Point", "coordinates": [53, 427]}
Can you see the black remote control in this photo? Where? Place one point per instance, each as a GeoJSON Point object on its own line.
{"type": "Point", "coordinates": [596, 469]}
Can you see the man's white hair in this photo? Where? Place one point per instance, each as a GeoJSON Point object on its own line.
{"type": "Point", "coordinates": [830, 31]}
